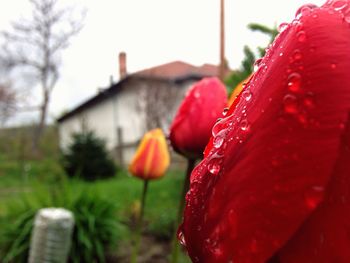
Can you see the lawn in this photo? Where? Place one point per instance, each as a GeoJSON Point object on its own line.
{"type": "Point", "coordinates": [27, 180]}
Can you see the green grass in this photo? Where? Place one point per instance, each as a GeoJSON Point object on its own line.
{"type": "Point", "coordinates": [29, 177]}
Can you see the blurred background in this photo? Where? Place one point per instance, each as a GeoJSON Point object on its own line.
{"type": "Point", "coordinates": [83, 81]}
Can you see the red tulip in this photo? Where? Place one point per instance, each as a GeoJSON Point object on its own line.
{"type": "Point", "coordinates": [275, 183]}
{"type": "Point", "coordinates": [191, 128]}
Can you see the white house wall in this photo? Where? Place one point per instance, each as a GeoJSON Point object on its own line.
{"type": "Point", "coordinates": [118, 111]}
{"type": "Point", "coordinates": [98, 118]}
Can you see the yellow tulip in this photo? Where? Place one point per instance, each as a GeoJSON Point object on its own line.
{"type": "Point", "coordinates": [151, 159]}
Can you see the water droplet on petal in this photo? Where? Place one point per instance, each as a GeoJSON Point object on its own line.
{"type": "Point", "coordinates": [302, 118]}
{"type": "Point", "coordinates": [247, 95]}
{"type": "Point", "coordinates": [214, 166]}
{"type": "Point", "coordinates": [347, 17]}
{"type": "Point", "coordinates": [294, 82]}
{"type": "Point", "coordinates": [290, 104]}
{"type": "Point", "coordinates": [218, 141]}
{"type": "Point", "coordinates": [225, 111]}
{"type": "Point", "coordinates": [282, 27]}
{"type": "Point", "coordinates": [333, 66]}
{"type": "Point", "coordinates": [257, 64]}
{"type": "Point", "coordinates": [339, 5]}
{"type": "Point", "coordinates": [181, 236]}
{"type": "Point", "coordinates": [305, 10]}
{"type": "Point", "coordinates": [301, 36]}
{"type": "Point", "coordinates": [197, 95]}
{"type": "Point", "coordinates": [309, 100]}
{"type": "Point", "coordinates": [297, 55]}
{"type": "Point", "coordinates": [314, 196]}
{"type": "Point", "coordinates": [244, 124]}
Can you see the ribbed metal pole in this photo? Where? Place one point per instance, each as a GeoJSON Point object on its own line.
{"type": "Point", "coordinates": [51, 236]}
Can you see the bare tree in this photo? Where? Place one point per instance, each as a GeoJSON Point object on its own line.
{"type": "Point", "coordinates": [34, 47]}
{"type": "Point", "coordinates": [8, 102]}
{"type": "Point", "coordinates": [158, 101]}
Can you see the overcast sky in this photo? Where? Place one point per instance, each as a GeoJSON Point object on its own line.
{"type": "Point", "coordinates": [152, 32]}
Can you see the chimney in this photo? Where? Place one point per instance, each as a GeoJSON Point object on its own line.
{"type": "Point", "coordinates": [122, 65]}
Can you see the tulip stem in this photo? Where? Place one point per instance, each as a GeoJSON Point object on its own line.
{"type": "Point", "coordinates": [139, 224]}
{"type": "Point", "coordinates": [186, 186]}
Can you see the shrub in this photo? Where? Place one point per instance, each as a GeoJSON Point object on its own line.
{"type": "Point", "coordinates": [87, 158]}
{"type": "Point", "coordinates": [96, 228]}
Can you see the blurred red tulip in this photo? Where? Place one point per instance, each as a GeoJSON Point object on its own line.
{"type": "Point", "coordinates": [151, 159]}
{"type": "Point", "coordinates": [191, 128]}
{"type": "Point", "coordinates": [275, 184]}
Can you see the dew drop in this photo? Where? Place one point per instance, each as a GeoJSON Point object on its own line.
{"type": "Point", "coordinates": [244, 125]}
{"type": "Point", "coordinates": [221, 123]}
{"type": "Point", "coordinates": [302, 118]}
{"type": "Point", "coordinates": [339, 5]}
{"type": "Point", "coordinates": [290, 104]}
{"type": "Point", "coordinates": [297, 55]}
{"type": "Point", "coordinates": [214, 166]}
{"type": "Point", "coordinates": [197, 95]}
{"type": "Point", "coordinates": [305, 10]}
{"type": "Point", "coordinates": [181, 237]}
{"type": "Point", "coordinates": [282, 27]}
{"type": "Point", "coordinates": [218, 141]}
{"type": "Point", "coordinates": [309, 100]}
{"type": "Point", "coordinates": [247, 95]}
{"type": "Point", "coordinates": [225, 111]}
{"type": "Point", "coordinates": [301, 36]}
{"type": "Point", "coordinates": [257, 64]}
{"type": "Point", "coordinates": [314, 196]}
{"type": "Point", "coordinates": [294, 82]}
{"type": "Point", "coordinates": [333, 66]}
{"type": "Point", "coordinates": [217, 127]}
{"type": "Point", "coordinates": [347, 18]}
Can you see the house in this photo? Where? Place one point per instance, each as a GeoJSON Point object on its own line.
{"type": "Point", "coordinates": [123, 112]}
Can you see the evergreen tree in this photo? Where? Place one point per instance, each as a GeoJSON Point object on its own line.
{"type": "Point", "coordinates": [87, 158]}
{"type": "Point", "coordinates": [247, 64]}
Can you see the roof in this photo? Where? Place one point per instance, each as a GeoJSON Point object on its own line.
{"type": "Point", "coordinates": [176, 71]}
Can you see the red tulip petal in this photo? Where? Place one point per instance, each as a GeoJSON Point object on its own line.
{"type": "Point", "coordinates": [191, 128]}
{"type": "Point", "coordinates": [325, 236]}
{"type": "Point", "coordinates": [275, 156]}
